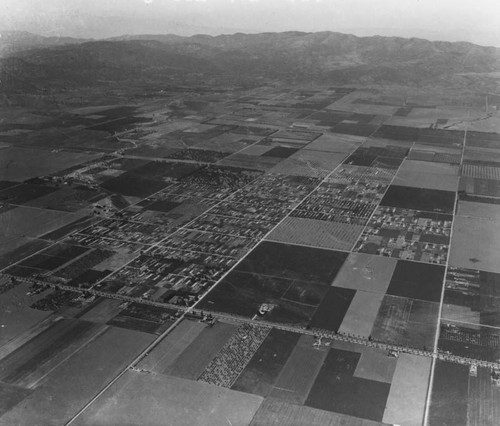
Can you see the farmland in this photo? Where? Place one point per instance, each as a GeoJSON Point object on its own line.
{"type": "Point", "coordinates": [271, 241]}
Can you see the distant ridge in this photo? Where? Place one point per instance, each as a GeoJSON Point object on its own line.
{"type": "Point", "coordinates": [34, 62]}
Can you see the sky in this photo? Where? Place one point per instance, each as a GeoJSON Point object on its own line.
{"type": "Point", "coordinates": [476, 21]}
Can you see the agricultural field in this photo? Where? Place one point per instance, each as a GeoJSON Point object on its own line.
{"type": "Point", "coordinates": [77, 379]}
{"type": "Point", "coordinates": [475, 243]}
{"type": "Point", "coordinates": [20, 164]}
{"type": "Point", "coordinates": [472, 296]}
{"type": "Point", "coordinates": [316, 233]}
{"type": "Point", "coordinates": [20, 224]}
{"type": "Point", "coordinates": [183, 402]}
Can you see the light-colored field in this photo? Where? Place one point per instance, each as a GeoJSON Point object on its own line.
{"type": "Point", "coordinates": [299, 372]}
{"type": "Point", "coordinates": [406, 401]}
{"type": "Point", "coordinates": [19, 164]}
{"type": "Point", "coordinates": [78, 379]}
{"type": "Point", "coordinates": [366, 272]}
{"type": "Point", "coordinates": [486, 124]}
{"type": "Point", "coordinates": [426, 180]}
{"type": "Point", "coordinates": [333, 142]}
{"type": "Point", "coordinates": [317, 233]}
{"type": "Point", "coordinates": [433, 149]}
{"type": "Point", "coordinates": [274, 412]}
{"type": "Point", "coordinates": [479, 210]}
{"type": "Point", "coordinates": [153, 400]}
{"type": "Point", "coordinates": [362, 313]}
{"type": "Point", "coordinates": [375, 365]}
{"type": "Point", "coordinates": [428, 167]}
{"type": "Point", "coordinates": [475, 244]}
{"type": "Point", "coordinates": [21, 222]}
{"type": "Point", "coordinates": [167, 351]}
{"type": "Point", "coordinates": [381, 142]}
{"type": "Point", "coordinates": [460, 314]}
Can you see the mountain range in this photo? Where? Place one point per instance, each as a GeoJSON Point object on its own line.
{"type": "Point", "coordinates": [33, 63]}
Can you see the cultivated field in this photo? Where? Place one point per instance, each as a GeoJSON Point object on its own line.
{"type": "Point", "coordinates": [407, 397]}
{"type": "Point", "coordinates": [475, 243]}
{"type": "Point", "coordinates": [78, 379]}
{"type": "Point", "coordinates": [19, 164]}
{"type": "Point", "coordinates": [366, 272]}
{"type": "Point", "coordinates": [183, 403]}
{"type": "Point", "coordinates": [316, 233]}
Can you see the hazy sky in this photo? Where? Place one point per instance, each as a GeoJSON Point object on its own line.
{"type": "Point", "coordinates": [470, 20]}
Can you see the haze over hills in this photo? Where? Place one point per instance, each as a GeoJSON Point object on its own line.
{"type": "Point", "coordinates": [31, 63]}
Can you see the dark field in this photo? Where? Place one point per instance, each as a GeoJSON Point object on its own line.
{"type": "Point", "coordinates": [42, 261]}
{"type": "Point", "coordinates": [483, 400]}
{"type": "Point", "coordinates": [406, 322]}
{"type": "Point", "coordinates": [68, 229]}
{"type": "Point", "coordinates": [300, 371]}
{"type": "Point", "coordinates": [193, 360]}
{"type": "Point", "coordinates": [261, 373]}
{"type": "Point", "coordinates": [21, 252]}
{"type": "Point", "coordinates": [477, 291]}
{"type": "Point", "coordinates": [73, 383]}
{"type": "Point", "coordinates": [333, 308]}
{"type": "Point", "coordinates": [417, 281]}
{"type": "Point", "coordinates": [280, 152]}
{"type": "Point", "coordinates": [449, 395]}
{"type": "Point", "coordinates": [431, 200]}
{"type": "Point", "coordinates": [67, 199]}
{"type": "Point", "coordinates": [354, 129]}
{"type": "Point", "coordinates": [148, 178]}
{"type": "Point", "coordinates": [470, 341]}
{"type": "Point", "coordinates": [335, 388]}
{"type": "Point", "coordinates": [242, 293]}
{"type": "Point", "coordinates": [136, 324]}
{"type": "Point", "coordinates": [306, 293]}
{"type": "Point", "coordinates": [25, 192]}
{"type": "Point", "coordinates": [294, 262]}
{"type": "Point", "coordinates": [201, 155]}
{"type": "Point", "coordinates": [38, 356]}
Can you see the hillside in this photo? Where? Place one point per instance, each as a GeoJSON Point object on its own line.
{"type": "Point", "coordinates": [323, 57]}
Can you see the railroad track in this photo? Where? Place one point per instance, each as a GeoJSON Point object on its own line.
{"type": "Point", "coordinates": [324, 334]}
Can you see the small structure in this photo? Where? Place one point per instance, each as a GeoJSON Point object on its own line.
{"type": "Point", "coordinates": [266, 307]}
{"type": "Point", "coordinates": [473, 370]}
{"type": "Point", "coordinates": [495, 377]}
